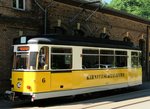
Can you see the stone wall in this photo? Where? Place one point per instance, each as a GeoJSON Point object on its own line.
{"type": "Point", "coordinates": [116, 27]}
{"type": "Point", "coordinates": [7, 34]}
{"type": "Point", "coordinates": [12, 23]}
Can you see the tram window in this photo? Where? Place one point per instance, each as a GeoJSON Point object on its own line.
{"type": "Point", "coordinates": [89, 61]}
{"type": "Point", "coordinates": [43, 61]}
{"type": "Point", "coordinates": [121, 61]}
{"type": "Point", "coordinates": [21, 60]}
{"type": "Point", "coordinates": [90, 58]}
{"type": "Point", "coordinates": [33, 60]}
{"type": "Point", "coordinates": [106, 58]}
{"type": "Point", "coordinates": [134, 59]}
{"type": "Point", "coordinates": [61, 58]}
{"type": "Point", "coordinates": [140, 59]}
{"type": "Point", "coordinates": [134, 53]}
{"type": "Point", "coordinates": [106, 61]}
{"type": "Point", "coordinates": [120, 58]}
{"type": "Point", "coordinates": [61, 50]}
{"type": "Point", "coordinates": [88, 51]}
{"type": "Point", "coordinates": [121, 53]}
{"type": "Point", "coordinates": [107, 52]}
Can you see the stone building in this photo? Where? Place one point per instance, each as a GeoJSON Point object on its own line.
{"type": "Point", "coordinates": [90, 20]}
{"type": "Point", "coordinates": [68, 17]}
{"type": "Point", "coordinates": [14, 21]}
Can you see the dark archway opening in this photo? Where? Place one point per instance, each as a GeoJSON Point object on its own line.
{"type": "Point", "coordinates": [143, 55]}
{"type": "Point", "coordinates": [58, 30]}
{"type": "Point", "coordinates": [126, 39]}
{"type": "Point", "coordinates": [78, 33]}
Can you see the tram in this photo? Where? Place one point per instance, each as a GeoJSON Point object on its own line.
{"type": "Point", "coordinates": [49, 66]}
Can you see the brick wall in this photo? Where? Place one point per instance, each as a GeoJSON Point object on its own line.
{"type": "Point", "coordinates": [116, 26]}
{"type": "Point", "coordinates": [11, 22]}
{"type": "Point", "coordinates": [7, 34]}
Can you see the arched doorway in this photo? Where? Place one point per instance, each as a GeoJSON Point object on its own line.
{"type": "Point", "coordinates": [142, 45]}
{"type": "Point", "coordinates": [78, 33]}
{"type": "Point", "coordinates": [126, 39]}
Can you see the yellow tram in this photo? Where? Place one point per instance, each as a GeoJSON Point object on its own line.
{"type": "Point", "coordinates": [50, 66]}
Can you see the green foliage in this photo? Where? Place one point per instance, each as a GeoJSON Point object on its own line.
{"type": "Point", "coordinates": [136, 7]}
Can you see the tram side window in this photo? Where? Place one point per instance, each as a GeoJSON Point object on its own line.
{"type": "Point", "coordinates": [43, 61]}
{"type": "Point", "coordinates": [106, 58]}
{"type": "Point", "coordinates": [61, 58]}
{"type": "Point", "coordinates": [120, 58]}
{"type": "Point", "coordinates": [134, 59]}
{"type": "Point", "coordinates": [90, 58]}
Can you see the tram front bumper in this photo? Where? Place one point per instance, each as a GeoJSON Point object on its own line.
{"type": "Point", "coordinates": [17, 96]}
{"type": "Point", "coordinates": [10, 95]}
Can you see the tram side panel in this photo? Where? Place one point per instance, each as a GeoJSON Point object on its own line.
{"type": "Point", "coordinates": [88, 78]}
{"type": "Point", "coordinates": [35, 82]}
{"type": "Point", "coordinates": [61, 80]}
{"type": "Point", "coordinates": [100, 78]}
{"type": "Point", "coordinates": [112, 78]}
{"type": "Point", "coordinates": [135, 76]}
{"type": "Point", "coordinates": [135, 68]}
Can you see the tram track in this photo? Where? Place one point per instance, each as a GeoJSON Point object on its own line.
{"type": "Point", "coordinates": [131, 104]}
{"type": "Point", "coordinates": [117, 105]}
{"type": "Point", "coordinates": [106, 102]}
{"type": "Point", "coordinates": [118, 101]}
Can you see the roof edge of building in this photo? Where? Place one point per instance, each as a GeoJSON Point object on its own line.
{"type": "Point", "coordinates": [106, 10]}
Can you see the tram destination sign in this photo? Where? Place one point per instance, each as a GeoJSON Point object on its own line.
{"type": "Point", "coordinates": [102, 76]}
{"type": "Point", "coordinates": [23, 48]}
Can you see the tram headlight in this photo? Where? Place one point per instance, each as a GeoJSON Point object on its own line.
{"type": "Point", "coordinates": [18, 84]}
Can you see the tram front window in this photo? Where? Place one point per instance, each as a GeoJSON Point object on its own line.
{"type": "Point", "coordinates": [21, 60]}
{"type": "Point", "coordinates": [25, 60]}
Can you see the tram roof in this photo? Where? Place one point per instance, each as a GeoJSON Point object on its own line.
{"type": "Point", "coordinates": [76, 41]}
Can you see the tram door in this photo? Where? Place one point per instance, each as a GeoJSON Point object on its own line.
{"type": "Point", "coordinates": [61, 65]}
{"type": "Point", "coordinates": [43, 76]}
{"type": "Point", "coordinates": [134, 73]}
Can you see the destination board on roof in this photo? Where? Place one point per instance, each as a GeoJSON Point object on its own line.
{"type": "Point", "coordinates": [23, 48]}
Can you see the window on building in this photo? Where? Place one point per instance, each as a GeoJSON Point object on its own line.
{"type": "Point", "coordinates": [43, 60]}
{"type": "Point", "coordinates": [19, 4]}
{"type": "Point", "coordinates": [61, 58]}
